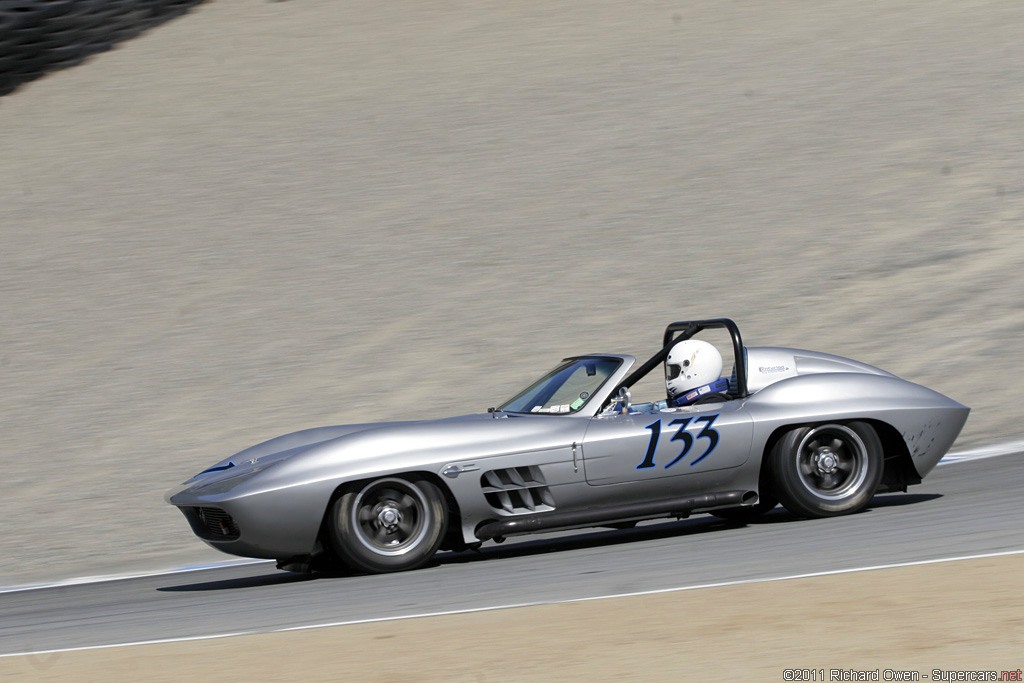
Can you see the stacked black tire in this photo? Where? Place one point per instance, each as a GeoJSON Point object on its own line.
{"type": "Point", "coordinates": [37, 36]}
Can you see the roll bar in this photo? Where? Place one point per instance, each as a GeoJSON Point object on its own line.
{"type": "Point", "coordinates": [687, 329]}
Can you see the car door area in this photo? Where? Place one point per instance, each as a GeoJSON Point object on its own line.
{"type": "Point", "coordinates": [654, 445]}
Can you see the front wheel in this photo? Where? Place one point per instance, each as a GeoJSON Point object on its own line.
{"type": "Point", "coordinates": [388, 525]}
{"type": "Point", "coordinates": [827, 470]}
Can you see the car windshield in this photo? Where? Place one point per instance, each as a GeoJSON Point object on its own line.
{"type": "Point", "coordinates": [565, 389]}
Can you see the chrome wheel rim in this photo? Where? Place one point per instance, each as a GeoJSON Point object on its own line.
{"type": "Point", "coordinates": [390, 516]}
{"type": "Point", "coordinates": [832, 461]}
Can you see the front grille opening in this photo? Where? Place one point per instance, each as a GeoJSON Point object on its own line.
{"type": "Point", "coordinates": [212, 524]}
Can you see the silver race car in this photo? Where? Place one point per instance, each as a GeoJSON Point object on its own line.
{"type": "Point", "coordinates": [820, 434]}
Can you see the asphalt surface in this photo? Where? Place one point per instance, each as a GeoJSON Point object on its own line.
{"type": "Point", "coordinates": [965, 508]}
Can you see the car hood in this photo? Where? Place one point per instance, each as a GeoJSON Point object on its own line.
{"type": "Point", "coordinates": [352, 451]}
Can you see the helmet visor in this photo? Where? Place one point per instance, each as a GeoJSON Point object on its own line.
{"type": "Point", "coordinates": [673, 370]}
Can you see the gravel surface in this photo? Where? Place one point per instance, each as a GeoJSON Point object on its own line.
{"type": "Point", "coordinates": [262, 217]}
{"type": "Point", "coordinates": [880, 620]}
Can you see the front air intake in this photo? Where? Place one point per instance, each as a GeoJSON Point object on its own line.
{"type": "Point", "coordinates": [212, 524]}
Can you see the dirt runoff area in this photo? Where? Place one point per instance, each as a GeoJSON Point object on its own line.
{"type": "Point", "coordinates": [963, 616]}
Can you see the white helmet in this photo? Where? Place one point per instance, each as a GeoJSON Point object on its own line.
{"type": "Point", "coordinates": [691, 364]}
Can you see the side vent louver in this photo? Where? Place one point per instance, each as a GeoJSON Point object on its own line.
{"type": "Point", "coordinates": [517, 490]}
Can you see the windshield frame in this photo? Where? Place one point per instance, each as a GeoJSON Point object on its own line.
{"type": "Point", "coordinates": [598, 392]}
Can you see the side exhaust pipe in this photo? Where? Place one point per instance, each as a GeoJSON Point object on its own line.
{"type": "Point", "coordinates": [669, 507]}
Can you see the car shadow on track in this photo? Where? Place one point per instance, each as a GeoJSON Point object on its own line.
{"type": "Point", "coordinates": [898, 499]}
{"type": "Point", "coordinates": [275, 579]}
{"type": "Point", "coordinates": [780, 515]}
{"type": "Point", "coordinates": [651, 532]}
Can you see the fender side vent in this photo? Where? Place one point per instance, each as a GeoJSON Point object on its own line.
{"type": "Point", "coordinates": [517, 490]}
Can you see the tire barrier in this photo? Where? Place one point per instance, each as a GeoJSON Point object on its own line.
{"type": "Point", "coordinates": [37, 36]}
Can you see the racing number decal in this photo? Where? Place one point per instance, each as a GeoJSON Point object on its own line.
{"type": "Point", "coordinates": [655, 428]}
{"type": "Point", "coordinates": [681, 435]}
{"type": "Point", "coordinates": [710, 433]}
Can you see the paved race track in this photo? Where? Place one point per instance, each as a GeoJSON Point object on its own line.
{"type": "Point", "coordinates": [964, 508]}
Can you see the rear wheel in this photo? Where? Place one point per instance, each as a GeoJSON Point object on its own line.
{"type": "Point", "coordinates": [388, 525]}
{"type": "Point", "coordinates": [827, 470]}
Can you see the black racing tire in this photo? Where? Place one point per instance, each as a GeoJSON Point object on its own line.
{"type": "Point", "coordinates": [390, 524]}
{"type": "Point", "coordinates": [827, 470]}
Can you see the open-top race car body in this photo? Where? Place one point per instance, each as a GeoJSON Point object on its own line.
{"type": "Point", "coordinates": [819, 433]}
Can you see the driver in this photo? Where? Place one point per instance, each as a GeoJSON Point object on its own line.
{"type": "Point", "coordinates": [693, 372]}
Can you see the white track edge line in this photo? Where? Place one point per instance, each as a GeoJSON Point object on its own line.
{"type": "Point", "coordinates": [162, 641]}
{"type": "Point", "coordinates": [77, 581]}
{"type": "Point", "coordinates": [981, 453]}
{"type": "Point", "coordinates": [493, 608]}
